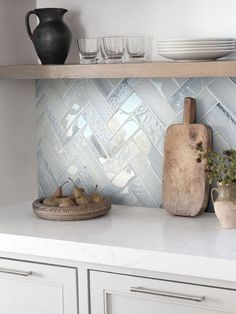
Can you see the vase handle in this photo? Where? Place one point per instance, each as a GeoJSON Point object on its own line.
{"type": "Point", "coordinates": [27, 24]}
{"type": "Point", "coordinates": [212, 194]}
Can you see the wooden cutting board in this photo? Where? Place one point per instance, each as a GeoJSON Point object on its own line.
{"type": "Point", "coordinates": [185, 187]}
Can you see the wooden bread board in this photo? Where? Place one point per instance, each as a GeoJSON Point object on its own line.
{"type": "Point", "coordinates": [185, 188]}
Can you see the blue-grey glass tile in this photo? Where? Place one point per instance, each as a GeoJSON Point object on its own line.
{"type": "Point", "coordinates": [50, 157]}
{"type": "Point", "coordinates": [74, 110]}
{"type": "Point", "coordinates": [233, 79]}
{"type": "Point", "coordinates": [155, 101]}
{"type": "Point", "coordinates": [223, 122]}
{"type": "Point", "coordinates": [53, 140]}
{"type": "Point", "coordinates": [181, 80]}
{"type": "Point", "coordinates": [74, 92]}
{"type": "Point", "coordinates": [45, 189]}
{"type": "Point", "coordinates": [119, 95]}
{"type": "Point", "coordinates": [89, 159]}
{"type": "Point", "coordinates": [219, 143]}
{"type": "Point", "coordinates": [97, 125]}
{"type": "Point", "coordinates": [178, 119]}
{"type": "Point", "coordinates": [104, 86]}
{"type": "Point", "coordinates": [225, 91]}
{"type": "Point", "coordinates": [69, 83]}
{"type": "Point", "coordinates": [98, 100]}
{"type": "Point", "coordinates": [46, 177]}
{"type": "Point", "coordinates": [206, 122]}
{"type": "Point", "coordinates": [41, 192]}
{"type": "Point", "coordinates": [71, 151]}
{"type": "Point", "coordinates": [121, 159]}
{"type": "Point", "coordinates": [160, 145]}
{"type": "Point", "coordinates": [95, 145]}
{"type": "Point", "coordinates": [131, 103]}
{"type": "Point", "coordinates": [41, 121]}
{"type": "Point", "coordinates": [41, 105]}
{"type": "Point", "coordinates": [77, 126]}
{"type": "Point", "coordinates": [146, 173]}
{"type": "Point", "coordinates": [119, 182]}
{"type": "Point", "coordinates": [124, 134]}
{"type": "Point", "coordinates": [125, 111]}
{"type": "Point", "coordinates": [166, 86]}
{"type": "Point", "coordinates": [54, 101]}
{"type": "Point", "coordinates": [141, 193]}
{"type": "Point", "coordinates": [39, 86]}
{"type": "Point", "coordinates": [125, 197]}
{"type": "Point", "coordinates": [192, 88]}
{"type": "Point", "coordinates": [72, 172]}
{"type": "Point", "coordinates": [205, 102]}
{"type": "Point", "coordinates": [153, 155]}
{"type": "Point", "coordinates": [152, 126]}
{"type": "Point", "coordinates": [60, 87]}
{"type": "Point", "coordinates": [56, 125]}
{"type": "Point", "coordinates": [115, 81]}
{"type": "Point", "coordinates": [133, 83]}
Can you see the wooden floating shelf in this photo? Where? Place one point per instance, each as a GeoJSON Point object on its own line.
{"type": "Point", "coordinates": [124, 70]}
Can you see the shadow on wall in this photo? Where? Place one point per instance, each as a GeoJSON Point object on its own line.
{"type": "Point", "coordinates": [72, 18]}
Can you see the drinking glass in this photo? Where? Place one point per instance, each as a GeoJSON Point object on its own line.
{"type": "Point", "coordinates": [114, 48]}
{"type": "Point", "coordinates": [136, 47]}
{"type": "Point", "coordinates": [88, 50]}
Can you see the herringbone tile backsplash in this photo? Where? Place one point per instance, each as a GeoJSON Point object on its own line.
{"type": "Point", "coordinates": [110, 131]}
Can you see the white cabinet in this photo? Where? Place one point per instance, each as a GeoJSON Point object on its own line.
{"type": "Point", "coordinates": [121, 294]}
{"type": "Point", "coordinates": [32, 288]}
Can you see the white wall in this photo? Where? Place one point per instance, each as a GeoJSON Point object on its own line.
{"type": "Point", "coordinates": [17, 102]}
{"type": "Point", "coordinates": [159, 18]}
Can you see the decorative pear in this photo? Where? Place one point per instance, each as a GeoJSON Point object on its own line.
{"type": "Point", "coordinates": [67, 202]}
{"type": "Point", "coordinates": [96, 197]}
{"type": "Point", "coordinates": [58, 192]}
{"type": "Point", "coordinates": [51, 201]}
{"type": "Point", "coordinates": [78, 192]}
{"type": "Point", "coordinates": [54, 200]}
{"type": "Point", "coordinates": [82, 200]}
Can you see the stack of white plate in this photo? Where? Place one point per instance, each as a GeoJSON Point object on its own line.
{"type": "Point", "coordinates": [196, 49]}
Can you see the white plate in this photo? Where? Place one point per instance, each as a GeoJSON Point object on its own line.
{"type": "Point", "coordinates": [196, 55]}
{"type": "Point", "coordinates": [196, 46]}
{"type": "Point", "coordinates": [196, 49]}
{"type": "Point", "coordinates": [199, 40]}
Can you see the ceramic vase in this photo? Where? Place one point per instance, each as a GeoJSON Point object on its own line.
{"type": "Point", "coordinates": [52, 37]}
{"type": "Point", "coordinates": [225, 204]}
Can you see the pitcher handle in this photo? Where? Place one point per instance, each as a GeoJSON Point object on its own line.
{"type": "Point", "coordinates": [27, 24]}
{"type": "Point", "coordinates": [212, 194]}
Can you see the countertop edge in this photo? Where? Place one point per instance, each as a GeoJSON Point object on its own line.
{"type": "Point", "coordinates": [178, 264]}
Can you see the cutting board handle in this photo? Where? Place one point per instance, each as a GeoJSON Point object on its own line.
{"type": "Point", "coordinates": [189, 110]}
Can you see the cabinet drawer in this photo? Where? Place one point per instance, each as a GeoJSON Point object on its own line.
{"type": "Point", "coordinates": [27, 288]}
{"type": "Point", "coordinates": [119, 294]}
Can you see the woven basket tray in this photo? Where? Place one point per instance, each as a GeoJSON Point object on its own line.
{"type": "Point", "coordinates": [80, 212]}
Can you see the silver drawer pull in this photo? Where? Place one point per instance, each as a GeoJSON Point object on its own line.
{"type": "Point", "coordinates": [16, 272]}
{"type": "Point", "coordinates": [167, 294]}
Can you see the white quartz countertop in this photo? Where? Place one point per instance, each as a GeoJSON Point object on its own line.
{"type": "Point", "coordinates": [139, 238]}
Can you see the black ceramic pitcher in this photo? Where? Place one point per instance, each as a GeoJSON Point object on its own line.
{"type": "Point", "coordinates": [52, 37]}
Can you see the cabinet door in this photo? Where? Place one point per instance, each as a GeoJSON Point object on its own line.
{"type": "Point", "coordinates": [120, 294]}
{"type": "Point", "coordinates": [31, 288]}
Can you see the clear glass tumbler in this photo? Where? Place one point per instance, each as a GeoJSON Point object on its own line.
{"type": "Point", "coordinates": [114, 48]}
{"type": "Point", "coordinates": [136, 47]}
{"type": "Point", "coordinates": [88, 50]}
